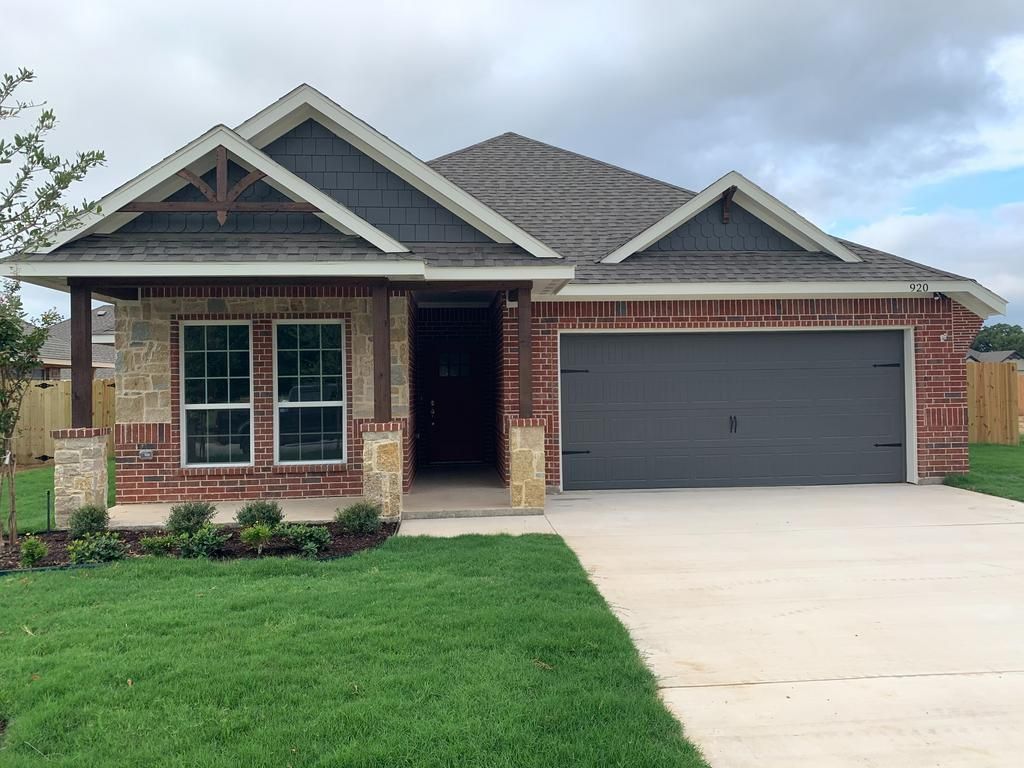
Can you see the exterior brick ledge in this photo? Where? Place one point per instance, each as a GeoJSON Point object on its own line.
{"type": "Point", "coordinates": [519, 421]}
{"type": "Point", "coordinates": [381, 426]}
{"type": "Point", "coordinates": [78, 432]}
{"type": "Point", "coordinates": [303, 469]}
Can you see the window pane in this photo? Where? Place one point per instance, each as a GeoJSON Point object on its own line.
{"type": "Point", "coordinates": [287, 337]}
{"type": "Point", "coordinates": [217, 436]}
{"type": "Point", "coordinates": [238, 363]}
{"type": "Point", "coordinates": [331, 362]}
{"type": "Point", "coordinates": [287, 389]}
{"type": "Point", "coordinates": [216, 337]}
{"type": "Point", "coordinates": [309, 389]}
{"type": "Point", "coordinates": [238, 337]}
{"type": "Point", "coordinates": [331, 388]}
{"type": "Point", "coordinates": [330, 336]}
{"type": "Point", "coordinates": [309, 362]}
{"type": "Point", "coordinates": [195, 391]}
{"type": "Point", "coordinates": [195, 364]}
{"type": "Point", "coordinates": [287, 363]}
{"type": "Point", "coordinates": [238, 390]}
{"type": "Point", "coordinates": [309, 336]}
{"type": "Point", "coordinates": [310, 434]}
{"type": "Point", "coordinates": [216, 390]}
{"type": "Point", "coordinates": [216, 363]}
{"type": "Point", "coordinates": [195, 336]}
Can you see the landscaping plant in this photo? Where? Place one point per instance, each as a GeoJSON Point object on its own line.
{"type": "Point", "coordinates": [32, 551]}
{"type": "Point", "coordinates": [87, 519]}
{"type": "Point", "coordinates": [310, 539]}
{"type": "Point", "coordinates": [255, 512]}
{"type": "Point", "coordinates": [159, 546]}
{"type": "Point", "coordinates": [361, 518]}
{"type": "Point", "coordinates": [257, 536]}
{"type": "Point", "coordinates": [205, 542]}
{"type": "Point", "coordinates": [189, 517]}
{"type": "Point", "coordinates": [31, 211]}
{"type": "Point", "coordinates": [96, 548]}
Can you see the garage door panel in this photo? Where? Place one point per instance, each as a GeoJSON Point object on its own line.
{"type": "Point", "coordinates": [654, 410]}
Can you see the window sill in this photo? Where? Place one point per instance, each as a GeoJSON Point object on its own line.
{"type": "Point", "coordinates": [295, 469]}
{"type": "Point", "coordinates": [216, 470]}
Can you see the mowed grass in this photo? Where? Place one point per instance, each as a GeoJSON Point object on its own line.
{"type": "Point", "coordinates": [30, 489]}
{"type": "Point", "coordinates": [997, 470]}
{"type": "Point", "coordinates": [476, 651]}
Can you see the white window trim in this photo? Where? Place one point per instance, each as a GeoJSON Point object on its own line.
{"type": "Point", "coordinates": [182, 427]}
{"type": "Point", "coordinates": [314, 403]}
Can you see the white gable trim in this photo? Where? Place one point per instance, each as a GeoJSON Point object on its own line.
{"type": "Point", "coordinates": [974, 296]}
{"type": "Point", "coordinates": [161, 180]}
{"type": "Point", "coordinates": [750, 196]}
{"type": "Point", "coordinates": [306, 102]}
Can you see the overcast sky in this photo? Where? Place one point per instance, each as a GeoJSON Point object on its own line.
{"type": "Point", "coordinates": [896, 124]}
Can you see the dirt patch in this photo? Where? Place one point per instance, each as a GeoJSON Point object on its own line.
{"type": "Point", "coordinates": [341, 544]}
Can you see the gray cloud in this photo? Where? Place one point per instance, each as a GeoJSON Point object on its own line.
{"type": "Point", "coordinates": [838, 108]}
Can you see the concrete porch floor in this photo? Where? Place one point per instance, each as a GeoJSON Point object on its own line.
{"type": "Point", "coordinates": [437, 492]}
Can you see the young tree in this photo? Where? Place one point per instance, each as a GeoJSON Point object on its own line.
{"type": "Point", "coordinates": [32, 208]}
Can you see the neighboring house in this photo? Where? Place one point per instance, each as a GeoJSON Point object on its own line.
{"type": "Point", "coordinates": [56, 352]}
{"type": "Point", "coordinates": [996, 356]}
{"type": "Point", "coordinates": [304, 308]}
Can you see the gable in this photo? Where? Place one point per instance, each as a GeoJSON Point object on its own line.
{"type": "Point", "coordinates": [706, 232]}
{"type": "Point", "coordinates": [206, 223]}
{"type": "Point", "coordinates": [367, 188]}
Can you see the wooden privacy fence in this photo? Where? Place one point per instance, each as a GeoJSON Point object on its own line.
{"type": "Point", "coordinates": [993, 403]}
{"type": "Point", "coordinates": [45, 409]}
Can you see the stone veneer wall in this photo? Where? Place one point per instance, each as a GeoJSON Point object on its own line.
{"type": "Point", "coordinates": [382, 467]}
{"type": "Point", "coordinates": [80, 470]}
{"type": "Point", "coordinates": [943, 330]}
{"type": "Point", "coordinates": [526, 462]}
{"type": "Point", "coordinates": [148, 404]}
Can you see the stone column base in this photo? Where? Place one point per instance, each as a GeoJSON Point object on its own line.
{"type": "Point", "coordinates": [80, 470]}
{"type": "Point", "coordinates": [382, 467]}
{"type": "Point", "coordinates": [527, 484]}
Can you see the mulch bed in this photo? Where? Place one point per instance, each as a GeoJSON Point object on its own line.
{"type": "Point", "coordinates": [341, 544]}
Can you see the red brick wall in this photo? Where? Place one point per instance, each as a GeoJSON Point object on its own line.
{"type": "Point", "coordinates": [163, 479]}
{"type": "Point", "coordinates": [941, 377]}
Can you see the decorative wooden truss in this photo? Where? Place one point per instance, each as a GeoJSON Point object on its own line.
{"type": "Point", "coordinates": [220, 200]}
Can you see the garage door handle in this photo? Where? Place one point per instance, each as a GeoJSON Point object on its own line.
{"type": "Point", "coordinates": [887, 365]}
{"type": "Point", "coordinates": [888, 445]}
{"type": "Point", "coordinates": [734, 424]}
{"type": "Point", "coordinates": [575, 370]}
{"type": "Point", "coordinates": [573, 453]}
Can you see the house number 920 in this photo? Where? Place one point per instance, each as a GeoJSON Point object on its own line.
{"type": "Point", "coordinates": [919, 287]}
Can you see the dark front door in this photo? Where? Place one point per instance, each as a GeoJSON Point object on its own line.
{"type": "Point", "coordinates": [453, 398]}
{"type": "Point", "coordinates": [719, 409]}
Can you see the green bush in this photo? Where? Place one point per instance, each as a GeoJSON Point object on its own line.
{"type": "Point", "coordinates": [160, 546]}
{"type": "Point", "coordinates": [257, 536]}
{"type": "Point", "coordinates": [88, 519]}
{"type": "Point", "coordinates": [257, 512]}
{"type": "Point", "coordinates": [203, 543]}
{"type": "Point", "coordinates": [96, 548]}
{"type": "Point", "coordinates": [360, 518]}
{"type": "Point", "coordinates": [189, 517]}
{"type": "Point", "coordinates": [309, 539]}
{"type": "Point", "coordinates": [32, 551]}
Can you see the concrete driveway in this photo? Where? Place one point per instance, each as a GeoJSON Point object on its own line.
{"type": "Point", "coordinates": [838, 626]}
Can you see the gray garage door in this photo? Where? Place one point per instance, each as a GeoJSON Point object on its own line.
{"type": "Point", "coordinates": [722, 409]}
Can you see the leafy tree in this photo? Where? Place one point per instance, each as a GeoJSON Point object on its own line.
{"type": "Point", "coordinates": [32, 210]}
{"type": "Point", "coordinates": [999, 337]}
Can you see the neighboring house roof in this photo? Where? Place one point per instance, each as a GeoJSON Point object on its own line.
{"type": "Point", "coordinates": [57, 348]}
{"type": "Point", "coordinates": [995, 356]}
{"type": "Point", "coordinates": [485, 211]}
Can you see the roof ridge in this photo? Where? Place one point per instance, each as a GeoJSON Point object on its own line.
{"type": "Point", "coordinates": [580, 155]}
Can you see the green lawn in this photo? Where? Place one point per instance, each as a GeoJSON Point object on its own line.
{"type": "Point", "coordinates": [476, 651]}
{"type": "Point", "coordinates": [30, 489]}
{"type": "Point", "coordinates": [995, 469]}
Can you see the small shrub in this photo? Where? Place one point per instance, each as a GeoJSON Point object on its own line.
{"type": "Point", "coordinates": [96, 548]}
{"type": "Point", "coordinates": [88, 519]}
{"type": "Point", "coordinates": [32, 551]}
{"type": "Point", "coordinates": [309, 539]}
{"type": "Point", "coordinates": [256, 512]}
{"type": "Point", "coordinates": [203, 543]}
{"type": "Point", "coordinates": [360, 518]}
{"type": "Point", "coordinates": [159, 546]}
{"type": "Point", "coordinates": [189, 517]}
{"type": "Point", "coordinates": [257, 536]}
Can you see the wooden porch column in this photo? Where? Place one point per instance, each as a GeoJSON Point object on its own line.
{"type": "Point", "coordinates": [81, 355]}
{"type": "Point", "coordinates": [525, 354]}
{"type": "Point", "coordinates": [381, 353]}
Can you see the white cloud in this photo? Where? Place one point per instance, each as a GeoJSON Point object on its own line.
{"type": "Point", "coordinates": [985, 245]}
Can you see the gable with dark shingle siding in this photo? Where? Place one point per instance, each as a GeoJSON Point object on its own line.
{"type": "Point", "coordinates": [707, 232]}
{"type": "Point", "coordinates": [370, 190]}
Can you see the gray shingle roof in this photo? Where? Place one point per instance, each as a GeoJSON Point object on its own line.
{"type": "Point", "coordinates": [995, 356]}
{"type": "Point", "coordinates": [581, 207]}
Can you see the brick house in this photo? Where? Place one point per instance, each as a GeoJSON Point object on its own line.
{"type": "Point", "coordinates": [305, 309]}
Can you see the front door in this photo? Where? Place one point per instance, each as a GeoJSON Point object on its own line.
{"type": "Point", "coordinates": [453, 400]}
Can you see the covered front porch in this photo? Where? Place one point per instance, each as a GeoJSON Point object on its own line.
{"type": "Point", "coordinates": [435, 424]}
